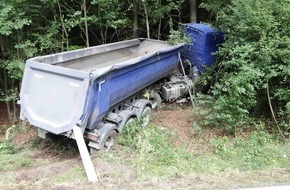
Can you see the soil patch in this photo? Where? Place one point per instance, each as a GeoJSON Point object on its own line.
{"type": "Point", "coordinates": [179, 119]}
{"type": "Point", "coordinates": [176, 118]}
{"type": "Point", "coordinates": [4, 122]}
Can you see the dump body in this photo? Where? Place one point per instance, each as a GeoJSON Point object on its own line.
{"type": "Point", "coordinates": [78, 87]}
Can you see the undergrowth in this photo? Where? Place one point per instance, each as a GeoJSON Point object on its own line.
{"type": "Point", "coordinates": [258, 151]}
{"type": "Point", "coordinates": [6, 147]}
{"type": "Point", "coordinates": [154, 154]}
{"type": "Point", "coordinates": [12, 156]}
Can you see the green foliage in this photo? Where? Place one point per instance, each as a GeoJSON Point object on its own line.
{"type": "Point", "coordinates": [177, 36]}
{"type": "Point", "coordinates": [129, 134]}
{"type": "Point", "coordinates": [12, 17]}
{"type": "Point", "coordinates": [221, 113]}
{"type": "Point", "coordinates": [111, 16]}
{"type": "Point", "coordinates": [153, 154]}
{"type": "Point", "coordinates": [259, 151]}
{"type": "Point", "coordinates": [255, 56]}
{"type": "Point", "coordinates": [12, 158]}
{"type": "Point", "coordinates": [13, 130]}
{"type": "Point", "coordinates": [153, 151]}
{"type": "Point", "coordinates": [10, 162]}
{"type": "Point", "coordinates": [6, 147]}
{"type": "Point", "coordinates": [75, 173]}
{"type": "Point", "coordinates": [15, 68]}
{"type": "Point", "coordinates": [9, 95]}
{"type": "Point", "coordinates": [159, 13]}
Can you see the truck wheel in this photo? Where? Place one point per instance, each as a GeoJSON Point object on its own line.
{"type": "Point", "coordinates": [146, 116]}
{"type": "Point", "coordinates": [109, 140]}
{"type": "Point", "coordinates": [156, 100]}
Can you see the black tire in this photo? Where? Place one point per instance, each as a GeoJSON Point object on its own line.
{"type": "Point", "coordinates": [109, 140]}
{"type": "Point", "coordinates": [146, 116]}
{"type": "Point", "coordinates": [156, 100]}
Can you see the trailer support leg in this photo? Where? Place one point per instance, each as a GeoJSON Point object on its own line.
{"type": "Point", "coordinates": [87, 161]}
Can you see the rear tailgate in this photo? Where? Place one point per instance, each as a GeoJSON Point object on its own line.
{"type": "Point", "coordinates": [54, 98]}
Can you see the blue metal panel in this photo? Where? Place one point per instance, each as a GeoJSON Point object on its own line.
{"type": "Point", "coordinates": [129, 80]}
{"type": "Point", "coordinates": [204, 42]}
{"type": "Point", "coordinates": [120, 83]}
{"type": "Point", "coordinates": [100, 101]}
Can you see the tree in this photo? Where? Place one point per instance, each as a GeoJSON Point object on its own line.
{"type": "Point", "coordinates": [135, 18]}
{"type": "Point", "coordinates": [192, 10]}
{"type": "Point", "coordinates": [12, 20]}
{"type": "Point", "coordinates": [84, 7]}
{"type": "Point", "coordinates": [24, 32]}
{"type": "Point", "coordinates": [156, 12]}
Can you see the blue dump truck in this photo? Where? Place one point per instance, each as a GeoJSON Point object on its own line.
{"type": "Point", "coordinates": [103, 88]}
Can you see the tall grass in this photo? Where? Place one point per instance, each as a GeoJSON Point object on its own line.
{"type": "Point", "coordinates": [154, 154]}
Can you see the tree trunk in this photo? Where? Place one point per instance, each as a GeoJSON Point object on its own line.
{"type": "Point", "coordinates": [192, 10]}
{"type": "Point", "coordinates": [147, 19]}
{"type": "Point", "coordinates": [103, 40]}
{"type": "Point", "coordinates": [135, 18]}
{"type": "Point", "coordinates": [159, 25]}
{"type": "Point", "coordinates": [86, 23]}
{"type": "Point", "coordinates": [13, 102]}
{"type": "Point", "coordinates": [64, 31]}
{"type": "Point", "coordinates": [1, 47]}
{"type": "Point", "coordinates": [159, 29]}
{"type": "Point", "coordinates": [6, 89]}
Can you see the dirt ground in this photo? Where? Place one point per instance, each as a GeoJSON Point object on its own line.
{"type": "Point", "coordinates": [60, 169]}
{"type": "Point", "coordinates": [3, 117]}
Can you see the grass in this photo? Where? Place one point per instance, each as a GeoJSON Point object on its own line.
{"type": "Point", "coordinates": [10, 162]}
{"type": "Point", "coordinates": [155, 156]}
{"type": "Point", "coordinates": [75, 174]}
{"type": "Point", "coordinates": [12, 158]}
{"type": "Point", "coordinates": [15, 158]}
{"type": "Point", "coordinates": [259, 151]}
{"type": "Point", "coordinates": [256, 158]}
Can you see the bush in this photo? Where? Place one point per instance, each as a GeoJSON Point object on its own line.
{"type": "Point", "coordinates": [253, 73]}
{"type": "Point", "coordinates": [153, 152]}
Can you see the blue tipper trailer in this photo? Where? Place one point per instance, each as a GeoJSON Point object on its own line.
{"type": "Point", "coordinates": [95, 92]}
{"type": "Point", "coordinates": [78, 87]}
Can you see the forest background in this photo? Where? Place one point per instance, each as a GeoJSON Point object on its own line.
{"type": "Point", "coordinates": [249, 83]}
